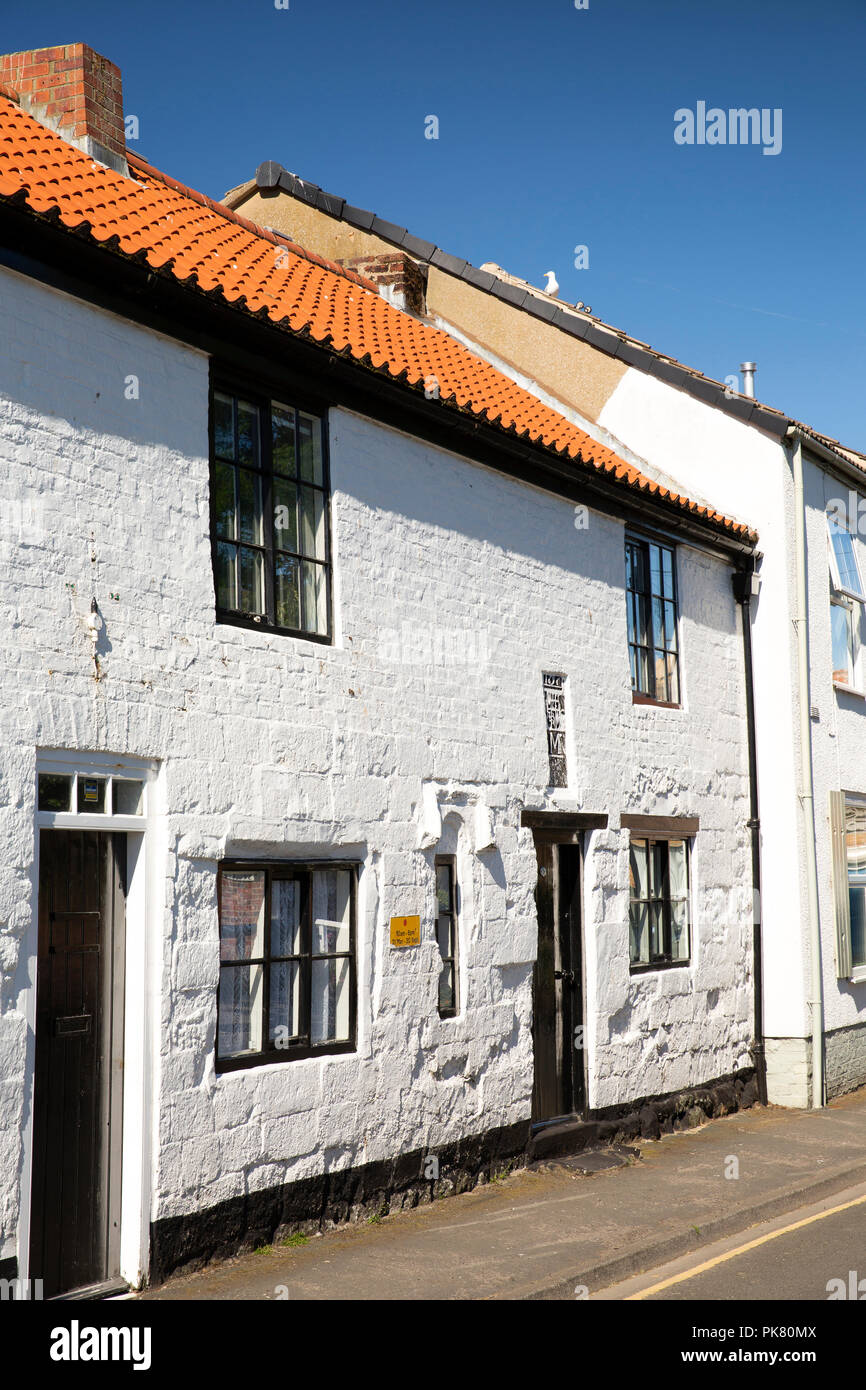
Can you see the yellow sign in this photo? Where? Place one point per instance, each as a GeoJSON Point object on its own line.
{"type": "Point", "coordinates": [405, 931]}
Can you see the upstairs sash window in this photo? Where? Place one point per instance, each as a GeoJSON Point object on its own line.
{"type": "Point", "coordinates": [270, 516]}
{"type": "Point", "coordinates": [651, 598]}
{"type": "Point", "coordinates": [844, 569]}
{"type": "Point", "coordinates": [846, 598]}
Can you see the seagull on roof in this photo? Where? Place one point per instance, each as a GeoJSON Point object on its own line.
{"type": "Point", "coordinates": [552, 286]}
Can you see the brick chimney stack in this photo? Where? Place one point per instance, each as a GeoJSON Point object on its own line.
{"type": "Point", "coordinates": [74, 91]}
{"type": "Point", "coordinates": [401, 280]}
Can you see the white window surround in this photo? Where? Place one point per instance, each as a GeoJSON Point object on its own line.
{"type": "Point", "coordinates": [95, 765]}
{"type": "Point", "coordinates": [94, 820]}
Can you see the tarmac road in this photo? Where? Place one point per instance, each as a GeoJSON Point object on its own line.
{"type": "Point", "coordinates": [809, 1254]}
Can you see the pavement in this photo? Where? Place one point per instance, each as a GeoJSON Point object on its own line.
{"type": "Point", "coordinates": [547, 1231]}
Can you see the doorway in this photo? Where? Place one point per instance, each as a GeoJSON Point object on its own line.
{"type": "Point", "coordinates": [558, 1006]}
{"type": "Point", "coordinates": [78, 1100]}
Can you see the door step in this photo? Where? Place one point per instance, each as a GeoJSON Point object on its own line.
{"type": "Point", "coordinates": [562, 1137]}
{"type": "Point", "coordinates": [569, 1135]}
{"type": "Point", "coordinates": [108, 1288]}
{"type": "Point", "coordinates": [588, 1161]}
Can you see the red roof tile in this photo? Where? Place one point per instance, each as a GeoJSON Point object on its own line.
{"type": "Point", "coordinates": [205, 246]}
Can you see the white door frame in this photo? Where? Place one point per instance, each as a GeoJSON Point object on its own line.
{"type": "Point", "coordinates": [143, 957]}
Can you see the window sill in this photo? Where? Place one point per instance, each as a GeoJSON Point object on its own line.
{"type": "Point", "coordinates": [638, 699]}
{"type": "Point", "coordinates": [858, 975]}
{"type": "Point", "coordinates": [271, 1059]}
{"type": "Point", "coordinates": [849, 689]}
{"type": "Point", "coordinates": [658, 965]}
{"type": "Point", "coordinates": [253, 624]}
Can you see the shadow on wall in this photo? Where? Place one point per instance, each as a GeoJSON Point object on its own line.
{"type": "Point", "coordinates": [418, 489]}
{"type": "Point", "coordinates": [131, 385]}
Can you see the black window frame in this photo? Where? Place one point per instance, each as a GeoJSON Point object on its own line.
{"type": "Point", "coordinates": [263, 396]}
{"type": "Point", "coordinates": [448, 862]}
{"type": "Point", "coordinates": [275, 871]}
{"type": "Point", "coordinates": [650, 696]}
{"type": "Point", "coordinates": [664, 960]}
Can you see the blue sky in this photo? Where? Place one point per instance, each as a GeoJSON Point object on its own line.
{"type": "Point", "coordinates": [556, 130]}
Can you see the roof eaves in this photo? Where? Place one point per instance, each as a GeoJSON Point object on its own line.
{"type": "Point", "coordinates": [851, 458]}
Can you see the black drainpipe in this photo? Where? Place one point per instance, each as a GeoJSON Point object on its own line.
{"type": "Point", "coordinates": [743, 592]}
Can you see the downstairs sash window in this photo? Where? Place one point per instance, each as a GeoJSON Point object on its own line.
{"type": "Point", "coordinates": [659, 925]}
{"type": "Point", "coordinates": [287, 962]}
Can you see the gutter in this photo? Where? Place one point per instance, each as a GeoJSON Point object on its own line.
{"type": "Point", "coordinates": [794, 439]}
{"type": "Point", "coordinates": [746, 584]}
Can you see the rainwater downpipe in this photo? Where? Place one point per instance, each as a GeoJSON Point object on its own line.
{"type": "Point", "coordinates": [746, 584]}
{"type": "Point", "coordinates": [806, 794]}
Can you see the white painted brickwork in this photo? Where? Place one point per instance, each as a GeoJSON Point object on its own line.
{"type": "Point", "coordinates": [271, 746]}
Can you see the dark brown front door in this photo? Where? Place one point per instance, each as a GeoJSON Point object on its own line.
{"type": "Point", "coordinates": [75, 1193]}
{"type": "Point", "coordinates": [558, 1024]}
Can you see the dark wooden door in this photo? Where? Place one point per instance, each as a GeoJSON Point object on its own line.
{"type": "Point", "coordinates": [75, 1194]}
{"type": "Point", "coordinates": [558, 1024]}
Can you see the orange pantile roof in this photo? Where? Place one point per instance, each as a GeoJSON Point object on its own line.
{"type": "Point", "coordinates": [208, 248]}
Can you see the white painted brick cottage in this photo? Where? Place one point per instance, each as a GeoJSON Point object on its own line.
{"type": "Point", "coordinates": [374, 755]}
